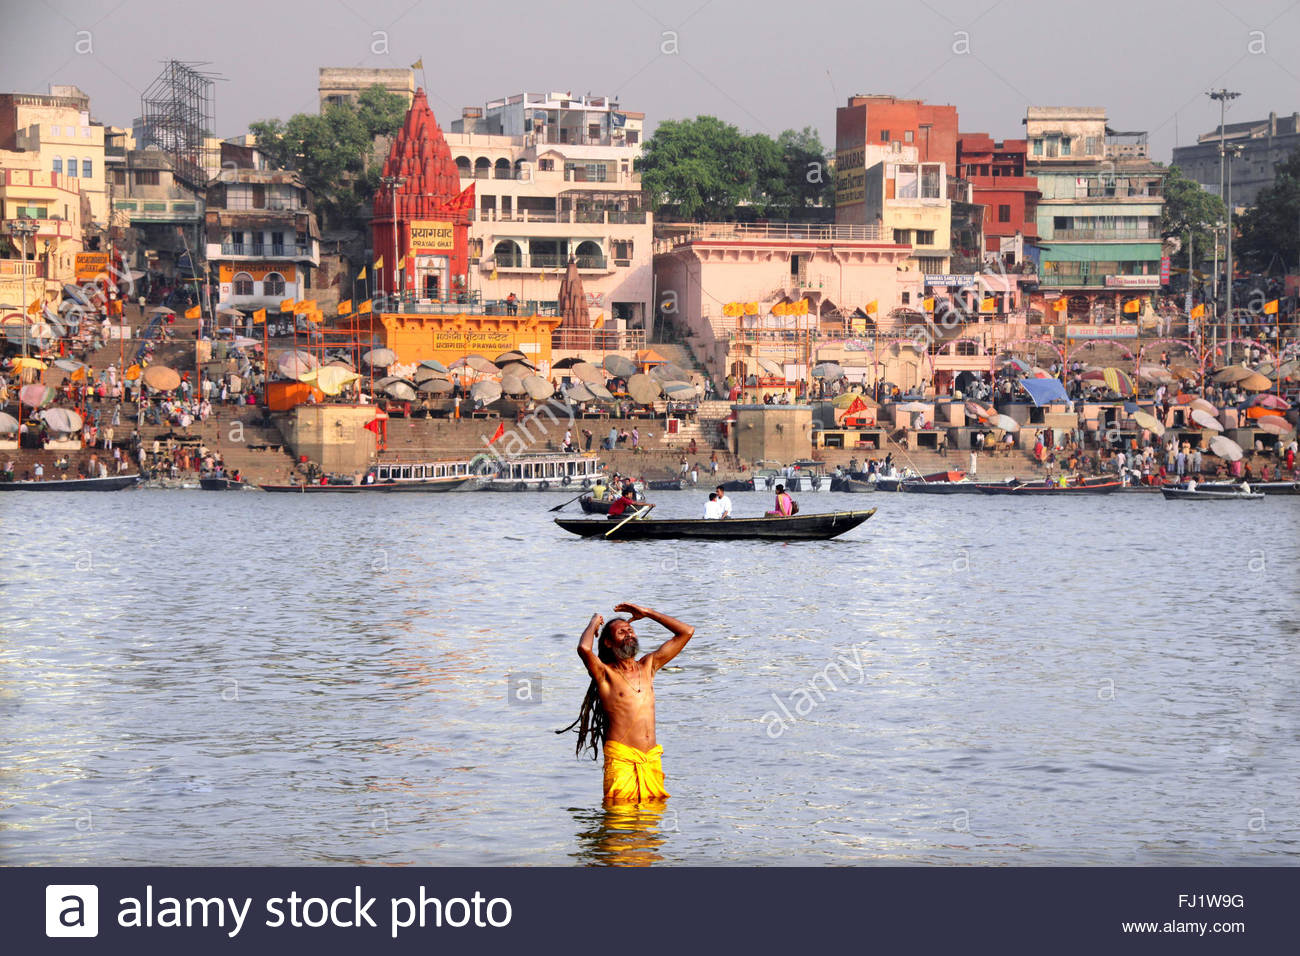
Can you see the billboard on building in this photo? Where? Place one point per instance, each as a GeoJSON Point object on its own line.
{"type": "Point", "coordinates": [850, 177]}
{"type": "Point", "coordinates": [90, 264]}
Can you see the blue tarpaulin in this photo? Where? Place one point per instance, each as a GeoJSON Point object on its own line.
{"type": "Point", "coordinates": [1044, 390]}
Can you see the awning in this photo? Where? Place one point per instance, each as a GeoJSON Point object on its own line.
{"type": "Point", "coordinates": [1044, 390]}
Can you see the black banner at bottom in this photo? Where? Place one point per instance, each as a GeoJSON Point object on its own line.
{"type": "Point", "coordinates": [257, 910]}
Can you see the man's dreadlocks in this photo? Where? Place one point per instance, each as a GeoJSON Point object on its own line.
{"type": "Point", "coordinates": [593, 722]}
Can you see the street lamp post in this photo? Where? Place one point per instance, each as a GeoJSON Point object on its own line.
{"type": "Point", "coordinates": [1223, 96]}
{"type": "Point", "coordinates": [1229, 154]}
{"type": "Point", "coordinates": [25, 228]}
{"type": "Point", "coordinates": [392, 183]}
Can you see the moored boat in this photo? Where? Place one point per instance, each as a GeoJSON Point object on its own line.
{"type": "Point", "coordinates": [109, 483]}
{"type": "Point", "coordinates": [738, 484]}
{"type": "Point", "coordinates": [222, 483]}
{"type": "Point", "coordinates": [542, 472]}
{"type": "Point", "coordinates": [800, 527]}
{"type": "Point", "coordinates": [1209, 494]}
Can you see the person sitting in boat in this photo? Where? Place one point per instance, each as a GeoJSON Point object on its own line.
{"type": "Point", "coordinates": [618, 507]}
{"type": "Point", "coordinates": [1245, 487]}
{"type": "Point", "coordinates": [713, 507]}
{"type": "Point", "coordinates": [1191, 484]}
{"type": "Point", "coordinates": [785, 506]}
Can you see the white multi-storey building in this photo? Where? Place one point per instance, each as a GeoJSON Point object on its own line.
{"type": "Point", "coordinates": [555, 177]}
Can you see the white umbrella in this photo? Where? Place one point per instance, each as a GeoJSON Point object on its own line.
{"type": "Point", "coordinates": [830, 371]}
{"type": "Point", "coordinates": [1005, 422]}
{"type": "Point", "coordinates": [512, 384]}
{"type": "Point", "coordinates": [579, 393]}
{"type": "Point", "coordinates": [587, 373]}
{"type": "Point", "coordinates": [380, 357]}
{"type": "Point", "coordinates": [537, 387]}
{"type": "Point", "coordinates": [485, 392]}
{"type": "Point", "coordinates": [1149, 422]}
{"type": "Point", "coordinates": [1225, 448]}
{"type": "Point", "coordinates": [402, 391]}
{"type": "Point", "coordinates": [769, 367]}
{"type": "Point", "coordinates": [601, 392]}
{"type": "Point", "coordinates": [1203, 405]}
{"type": "Point", "coordinates": [434, 364]}
{"type": "Point", "coordinates": [425, 374]}
{"type": "Point", "coordinates": [436, 386]}
{"type": "Point", "coordinates": [61, 419]}
{"type": "Point", "coordinates": [8, 424]}
{"type": "Point", "coordinates": [1274, 425]}
{"type": "Point", "coordinates": [1206, 420]}
{"type": "Point", "coordinates": [643, 389]}
{"type": "Point", "coordinates": [295, 364]}
{"type": "Point", "coordinates": [619, 366]}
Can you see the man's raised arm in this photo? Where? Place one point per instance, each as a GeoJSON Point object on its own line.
{"type": "Point", "coordinates": [586, 646]}
{"type": "Point", "coordinates": [671, 647]}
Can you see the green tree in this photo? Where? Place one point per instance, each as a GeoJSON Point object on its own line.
{"type": "Point", "coordinates": [332, 150]}
{"type": "Point", "coordinates": [1270, 229]}
{"type": "Point", "coordinates": [1189, 207]}
{"type": "Point", "coordinates": [705, 169]}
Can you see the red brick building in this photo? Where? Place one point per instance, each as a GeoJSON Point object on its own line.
{"type": "Point", "coordinates": [872, 129]}
{"type": "Point", "coordinates": [996, 171]}
{"type": "Point", "coordinates": [882, 120]}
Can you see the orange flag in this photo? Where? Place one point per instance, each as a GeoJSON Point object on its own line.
{"type": "Point", "coordinates": [1061, 304]}
{"type": "Point", "coordinates": [193, 313]}
{"type": "Point", "coordinates": [1133, 306]}
{"type": "Point", "coordinates": [286, 305]}
{"type": "Point", "coordinates": [259, 316]}
{"type": "Point", "coordinates": [345, 307]}
{"type": "Point", "coordinates": [364, 308]}
{"type": "Point", "coordinates": [1198, 311]}
{"type": "Point", "coordinates": [501, 430]}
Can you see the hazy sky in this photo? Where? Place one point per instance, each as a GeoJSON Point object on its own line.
{"type": "Point", "coordinates": [764, 66]}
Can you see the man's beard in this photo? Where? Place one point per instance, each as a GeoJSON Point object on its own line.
{"type": "Point", "coordinates": [625, 650]}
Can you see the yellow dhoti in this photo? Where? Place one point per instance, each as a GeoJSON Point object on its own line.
{"type": "Point", "coordinates": [633, 776]}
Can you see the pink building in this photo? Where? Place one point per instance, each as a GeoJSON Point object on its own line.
{"type": "Point", "coordinates": [727, 286]}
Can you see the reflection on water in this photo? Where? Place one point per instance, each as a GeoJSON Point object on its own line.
{"type": "Point", "coordinates": [192, 677]}
{"type": "Point", "coordinates": [623, 834]}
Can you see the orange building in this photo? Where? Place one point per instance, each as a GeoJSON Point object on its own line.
{"type": "Point", "coordinates": [416, 336]}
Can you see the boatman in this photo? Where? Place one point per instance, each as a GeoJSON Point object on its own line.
{"type": "Point", "coordinates": [619, 709]}
{"type": "Point", "coordinates": [724, 502]}
{"type": "Point", "coordinates": [618, 507]}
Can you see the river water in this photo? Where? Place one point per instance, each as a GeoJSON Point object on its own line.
{"type": "Point", "coordinates": [244, 678]}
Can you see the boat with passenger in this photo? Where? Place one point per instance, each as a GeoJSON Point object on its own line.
{"type": "Point", "coordinates": [537, 472]}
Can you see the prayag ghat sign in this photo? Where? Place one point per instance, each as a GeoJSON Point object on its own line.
{"type": "Point", "coordinates": [474, 341]}
{"type": "Point", "coordinates": [431, 235]}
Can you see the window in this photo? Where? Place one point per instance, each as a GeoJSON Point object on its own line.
{"type": "Point", "coordinates": [931, 265]}
{"type": "Point", "coordinates": [273, 284]}
{"type": "Point", "coordinates": [243, 284]}
{"type": "Point", "coordinates": [86, 168]}
{"type": "Point", "coordinates": [907, 298]}
{"type": "Point", "coordinates": [146, 177]}
{"type": "Point", "coordinates": [58, 164]}
{"type": "Point", "coordinates": [925, 237]}
{"type": "Point", "coordinates": [56, 130]}
{"type": "Point", "coordinates": [905, 182]}
{"type": "Point", "coordinates": [908, 136]}
{"type": "Point", "coordinates": [1031, 214]}
{"type": "Point", "coordinates": [119, 177]}
{"type": "Point", "coordinates": [1092, 145]}
{"type": "Point", "coordinates": [633, 137]}
{"type": "Point", "coordinates": [31, 212]}
{"type": "Point", "coordinates": [902, 237]}
{"type": "Point", "coordinates": [546, 165]}
{"type": "Point", "coordinates": [72, 166]}
{"type": "Point", "coordinates": [931, 182]}
{"type": "Point", "coordinates": [1038, 147]}
{"type": "Point", "coordinates": [622, 249]}
{"type": "Point", "coordinates": [1004, 213]}
{"type": "Point", "coordinates": [884, 136]}
{"type": "Point", "coordinates": [277, 243]}
{"type": "Point", "coordinates": [1065, 146]}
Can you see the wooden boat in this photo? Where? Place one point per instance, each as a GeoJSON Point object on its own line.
{"type": "Point", "coordinates": [852, 486]}
{"type": "Point", "coordinates": [1087, 488]}
{"type": "Point", "coordinates": [593, 507]}
{"type": "Point", "coordinates": [223, 484]}
{"type": "Point", "coordinates": [1211, 494]}
{"type": "Point", "coordinates": [666, 484]}
{"type": "Point", "coordinates": [111, 483]}
{"type": "Point", "coordinates": [918, 486]}
{"type": "Point", "coordinates": [801, 527]}
{"type": "Point", "coordinates": [738, 484]}
{"type": "Point", "coordinates": [1276, 487]}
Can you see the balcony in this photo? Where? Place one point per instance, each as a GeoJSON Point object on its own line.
{"type": "Point", "coordinates": [259, 250]}
{"type": "Point", "coordinates": [158, 210]}
{"type": "Point", "coordinates": [1103, 235]}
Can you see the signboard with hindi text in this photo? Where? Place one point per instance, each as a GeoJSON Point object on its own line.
{"type": "Point", "coordinates": [431, 235]}
{"type": "Point", "coordinates": [90, 264]}
{"type": "Point", "coordinates": [850, 177]}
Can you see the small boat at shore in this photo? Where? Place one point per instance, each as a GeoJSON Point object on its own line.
{"type": "Point", "coordinates": [593, 507]}
{"type": "Point", "coordinates": [666, 484]}
{"type": "Point", "coordinates": [110, 483]}
{"type": "Point", "coordinates": [1089, 486]}
{"type": "Point", "coordinates": [800, 527]}
{"type": "Point", "coordinates": [1210, 494]}
{"type": "Point", "coordinates": [852, 486]}
{"type": "Point", "coordinates": [738, 484]}
{"type": "Point", "coordinates": [222, 483]}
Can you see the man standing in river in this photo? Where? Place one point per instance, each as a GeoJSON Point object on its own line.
{"type": "Point", "coordinates": [619, 709]}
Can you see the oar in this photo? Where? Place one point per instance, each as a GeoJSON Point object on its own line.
{"type": "Point", "coordinates": [569, 502]}
{"type": "Point", "coordinates": [634, 514]}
